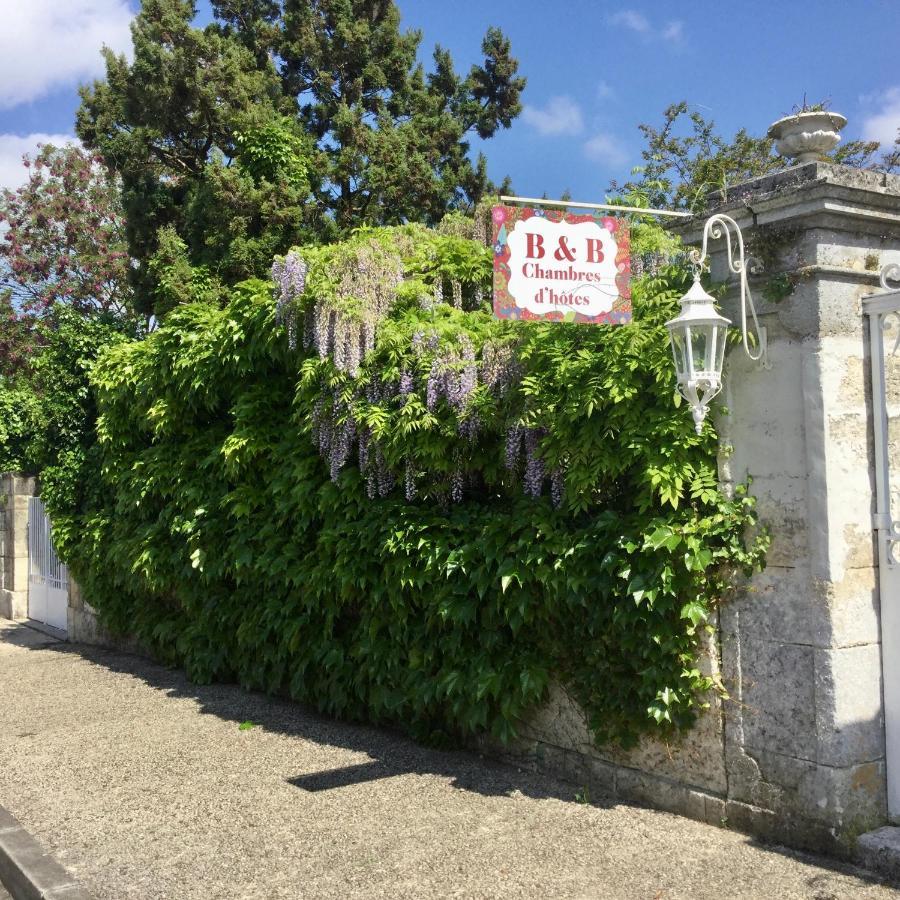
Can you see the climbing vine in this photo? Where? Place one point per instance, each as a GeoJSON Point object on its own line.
{"type": "Point", "coordinates": [353, 484]}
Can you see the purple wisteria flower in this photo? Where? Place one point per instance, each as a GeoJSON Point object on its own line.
{"type": "Point", "coordinates": [533, 481]}
{"type": "Point", "coordinates": [410, 477]}
{"type": "Point", "coordinates": [289, 275]}
{"type": "Point", "coordinates": [557, 486]}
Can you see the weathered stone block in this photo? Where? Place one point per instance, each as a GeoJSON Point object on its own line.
{"type": "Point", "coordinates": [853, 609]}
{"type": "Point", "coordinates": [12, 484]}
{"type": "Point", "coordinates": [795, 831]}
{"type": "Point", "coordinates": [17, 573]}
{"type": "Point", "coordinates": [602, 777]}
{"type": "Point", "coordinates": [774, 438]}
{"type": "Point", "coordinates": [13, 604]}
{"type": "Point", "coordinates": [75, 599]}
{"type": "Point", "coordinates": [778, 697]}
{"type": "Point", "coordinates": [781, 504]}
{"type": "Point", "coordinates": [577, 767]}
{"type": "Point", "coordinates": [697, 758]}
{"type": "Point", "coordinates": [879, 851]}
{"type": "Point", "coordinates": [849, 718]}
{"type": "Point", "coordinates": [660, 793]}
{"type": "Point", "coordinates": [550, 760]}
{"type": "Point", "coordinates": [779, 605]}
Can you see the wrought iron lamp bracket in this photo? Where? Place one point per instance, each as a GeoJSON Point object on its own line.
{"type": "Point", "coordinates": [720, 226]}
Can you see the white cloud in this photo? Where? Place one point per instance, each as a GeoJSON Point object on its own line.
{"type": "Point", "coordinates": [605, 91]}
{"type": "Point", "coordinates": [674, 31]}
{"type": "Point", "coordinates": [561, 115]}
{"type": "Point", "coordinates": [49, 44]}
{"type": "Point", "coordinates": [12, 147]}
{"type": "Point", "coordinates": [633, 20]}
{"type": "Point", "coordinates": [637, 22]}
{"type": "Point", "coordinates": [605, 148]}
{"type": "Point", "coordinates": [883, 123]}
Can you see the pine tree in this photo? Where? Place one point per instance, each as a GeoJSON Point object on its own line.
{"type": "Point", "coordinates": [284, 121]}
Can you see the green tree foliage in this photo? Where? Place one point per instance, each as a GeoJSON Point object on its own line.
{"type": "Point", "coordinates": [222, 533]}
{"type": "Point", "coordinates": [47, 420]}
{"type": "Point", "coordinates": [168, 122]}
{"type": "Point", "coordinates": [685, 160]}
{"type": "Point", "coordinates": [19, 338]}
{"type": "Point", "coordinates": [279, 123]}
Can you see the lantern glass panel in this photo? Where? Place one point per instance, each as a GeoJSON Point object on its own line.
{"type": "Point", "coordinates": [720, 347]}
{"type": "Point", "coordinates": [679, 347]}
{"type": "Point", "coordinates": [701, 345]}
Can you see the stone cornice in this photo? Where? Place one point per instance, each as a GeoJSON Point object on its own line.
{"type": "Point", "coordinates": [818, 194]}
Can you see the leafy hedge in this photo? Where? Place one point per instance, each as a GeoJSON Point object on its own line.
{"type": "Point", "coordinates": [360, 536]}
{"type": "Point", "coordinates": [47, 413]}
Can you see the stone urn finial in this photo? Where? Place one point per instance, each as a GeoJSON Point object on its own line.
{"type": "Point", "coordinates": [807, 135]}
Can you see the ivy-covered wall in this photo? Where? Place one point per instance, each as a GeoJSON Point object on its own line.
{"type": "Point", "coordinates": [362, 489]}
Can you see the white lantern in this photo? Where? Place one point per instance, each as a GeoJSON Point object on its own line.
{"type": "Point", "coordinates": [698, 333]}
{"type": "Point", "coordinates": [698, 336]}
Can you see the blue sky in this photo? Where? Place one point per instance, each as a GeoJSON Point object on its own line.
{"type": "Point", "coordinates": [595, 70]}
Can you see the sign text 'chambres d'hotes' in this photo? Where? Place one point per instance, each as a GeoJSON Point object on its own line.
{"type": "Point", "coordinates": [560, 266]}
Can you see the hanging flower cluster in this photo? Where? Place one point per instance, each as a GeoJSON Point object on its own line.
{"type": "Point", "coordinates": [289, 275]}
{"type": "Point", "coordinates": [442, 372]}
{"type": "Point", "coordinates": [343, 327]}
{"type": "Point", "coordinates": [340, 324]}
{"type": "Point", "coordinates": [336, 432]}
{"type": "Point", "coordinates": [500, 369]}
{"type": "Point", "coordinates": [473, 301]}
{"type": "Point", "coordinates": [476, 227]}
{"type": "Point", "coordinates": [522, 447]}
{"type": "Point", "coordinates": [453, 374]}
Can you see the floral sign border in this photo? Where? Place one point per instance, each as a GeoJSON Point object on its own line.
{"type": "Point", "coordinates": [504, 219]}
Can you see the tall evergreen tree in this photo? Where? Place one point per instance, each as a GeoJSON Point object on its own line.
{"type": "Point", "coordinates": [285, 120]}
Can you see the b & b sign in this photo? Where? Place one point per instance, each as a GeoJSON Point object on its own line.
{"type": "Point", "coordinates": [561, 266]}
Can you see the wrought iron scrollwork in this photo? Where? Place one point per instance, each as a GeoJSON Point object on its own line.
{"type": "Point", "coordinates": [720, 226]}
{"type": "Point", "coordinates": [890, 272]}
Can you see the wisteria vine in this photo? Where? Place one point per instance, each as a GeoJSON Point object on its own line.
{"type": "Point", "coordinates": [341, 305]}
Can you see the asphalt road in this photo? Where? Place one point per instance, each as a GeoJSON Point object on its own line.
{"type": "Point", "coordinates": [145, 786]}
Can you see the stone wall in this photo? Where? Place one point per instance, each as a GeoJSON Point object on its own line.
{"type": "Point", "coordinates": [797, 752]}
{"type": "Point", "coordinates": [84, 627]}
{"type": "Point", "coordinates": [15, 491]}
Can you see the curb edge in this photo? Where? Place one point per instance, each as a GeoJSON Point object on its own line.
{"type": "Point", "coordinates": [27, 871]}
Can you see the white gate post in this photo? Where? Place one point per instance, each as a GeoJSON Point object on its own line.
{"type": "Point", "coordinates": [15, 492]}
{"type": "Point", "coordinates": [883, 313]}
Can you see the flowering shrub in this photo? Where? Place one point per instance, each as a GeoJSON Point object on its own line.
{"type": "Point", "coordinates": [62, 235]}
{"type": "Point", "coordinates": [424, 515]}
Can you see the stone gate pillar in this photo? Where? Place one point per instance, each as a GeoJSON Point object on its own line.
{"type": "Point", "coordinates": [804, 735]}
{"type": "Point", "coordinates": [15, 491]}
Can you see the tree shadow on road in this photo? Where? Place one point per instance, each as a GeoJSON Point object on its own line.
{"type": "Point", "coordinates": [390, 752]}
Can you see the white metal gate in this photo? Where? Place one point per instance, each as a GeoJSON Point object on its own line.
{"type": "Point", "coordinates": [48, 578]}
{"type": "Point", "coordinates": [883, 313]}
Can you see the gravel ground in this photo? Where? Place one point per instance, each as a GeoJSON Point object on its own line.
{"type": "Point", "coordinates": [144, 786]}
